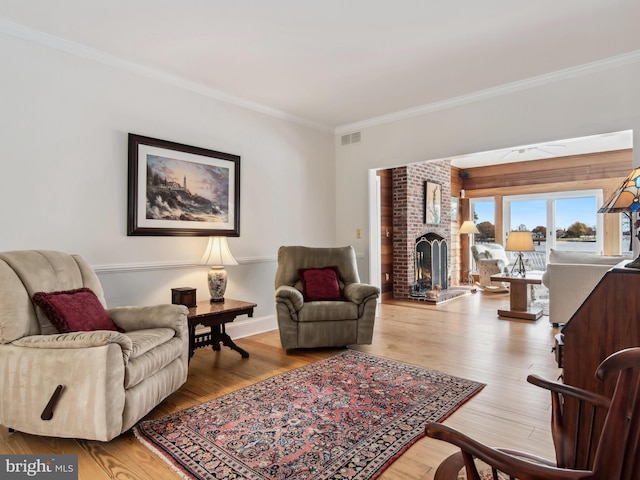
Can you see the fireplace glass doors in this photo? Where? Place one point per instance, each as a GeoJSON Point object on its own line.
{"type": "Point", "coordinates": [431, 264]}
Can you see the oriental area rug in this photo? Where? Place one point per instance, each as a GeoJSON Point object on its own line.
{"type": "Point", "coordinates": [345, 417]}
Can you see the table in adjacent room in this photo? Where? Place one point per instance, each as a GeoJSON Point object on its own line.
{"type": "Point", "coordinates": [216, 315]}
{"type": "Point", "coordinates": [520, 296]}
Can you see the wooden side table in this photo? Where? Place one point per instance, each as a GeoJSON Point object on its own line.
{"type": "Point", "coordinates": [519, 295]}
{"type": "Point", "coordinates": [216, 316]}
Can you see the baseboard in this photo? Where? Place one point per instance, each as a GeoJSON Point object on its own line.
{"type": "Point", "coordinates": [244, 327]}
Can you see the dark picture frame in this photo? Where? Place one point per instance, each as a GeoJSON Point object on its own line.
{"type": "Point", "coordinates": [432, 202]}
{"type": "Point", "coordinates": [181, 190]}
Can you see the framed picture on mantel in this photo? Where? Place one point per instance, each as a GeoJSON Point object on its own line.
{"type": "Point", "coordinates": [432, 202]}
{"type": "Point", "coordinates": [177, 189]}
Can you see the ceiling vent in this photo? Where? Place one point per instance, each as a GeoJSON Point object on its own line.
{"type": "Point", "coordinates": [351, 138]}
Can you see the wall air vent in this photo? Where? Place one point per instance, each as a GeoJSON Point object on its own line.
{"type": "Point", "coordinates": [351, 138]}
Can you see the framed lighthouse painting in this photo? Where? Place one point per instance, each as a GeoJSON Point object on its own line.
{"type": "Point", "coordinates": [177, 189]}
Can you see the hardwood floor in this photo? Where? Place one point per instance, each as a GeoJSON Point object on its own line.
{"type": "Point", "coordinates": [463, 337]}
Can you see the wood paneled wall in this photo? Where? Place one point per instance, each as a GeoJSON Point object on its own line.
{"type": "Point", "coordinates": [459, 245]}
{"type": "Point", "coordinates": [604, 170]}
{"type": "Point", "coordinates": [386, 234]}
{"type": "Point", "coordinates": [543, 175]}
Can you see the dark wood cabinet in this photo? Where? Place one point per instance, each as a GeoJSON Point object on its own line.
{"type": "Point", "coordinates": [607, 321]}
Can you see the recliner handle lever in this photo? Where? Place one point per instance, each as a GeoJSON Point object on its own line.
{"type": "Point", "coordinates": [47, 413]}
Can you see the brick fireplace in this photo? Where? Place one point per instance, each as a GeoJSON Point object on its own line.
{"type": "Point", "coordinates": [408, 219]}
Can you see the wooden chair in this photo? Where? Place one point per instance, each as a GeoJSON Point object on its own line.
{"type": "Point", "coordinates": [614, 456]}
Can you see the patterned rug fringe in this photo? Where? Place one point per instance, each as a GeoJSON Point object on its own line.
{"type": "Point", "coordinates": [173, 465]}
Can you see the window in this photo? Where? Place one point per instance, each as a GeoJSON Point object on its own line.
{"type": "Point", "coordinates": [563, 220]}
{"type": "Point", "coordinates": [625, 234]}
{"type": "Point", "coordinates": [483, 213]}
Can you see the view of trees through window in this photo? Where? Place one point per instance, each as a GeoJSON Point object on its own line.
{"type": "Point", "coordinates": [484, 218]}
{"type": "Point", "coordinates": [572, 216]}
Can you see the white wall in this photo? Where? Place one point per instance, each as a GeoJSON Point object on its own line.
{"type": "Point", "coordinates": [64, 122]}
{"type": "Point", "coordinates": [588, 102]}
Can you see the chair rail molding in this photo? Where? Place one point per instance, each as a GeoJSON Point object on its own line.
{"type": "Point", "coordinates": [143, 267]}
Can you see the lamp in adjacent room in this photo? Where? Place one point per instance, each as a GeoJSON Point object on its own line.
{"type": "Point", "coordinates": [519, 241]}
{"type": "Point", "coordinates": [469, 228]}
{"type": "Point", "coordinates": [217, 255]}
{"type": "Point", "coordinates": [626, 198]}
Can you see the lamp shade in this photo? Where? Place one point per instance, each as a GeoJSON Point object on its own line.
{"type": "Point", "coordinates": [626, 197]}
{"type": "Point", "coordinates": [519, 241]}
{"type": "Point", "coordinates": [468, 227]}
{"type": "Point", "coordinates": [217, 253]}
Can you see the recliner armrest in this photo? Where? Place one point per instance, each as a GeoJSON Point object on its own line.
{"type": "Point", "coordinates": [291, 296]}
{"type": "Point", "coordinates": [359, 293]}
{"type": "Point", "coordinates": [73, 340]}
{"type": "Point", "coordinates": [156, 316]}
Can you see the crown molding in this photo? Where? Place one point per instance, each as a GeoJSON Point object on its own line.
{"type": "Point", "coordinates": [584, 69]}
{"type": "Point", "coordinates": [77, 49]}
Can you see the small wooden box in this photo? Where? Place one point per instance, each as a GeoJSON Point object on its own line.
{"type": "Point", "coordinates": [184, 296]}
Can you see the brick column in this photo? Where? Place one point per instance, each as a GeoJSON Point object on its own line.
{"type": "Point", "coordinates": [408, 217]}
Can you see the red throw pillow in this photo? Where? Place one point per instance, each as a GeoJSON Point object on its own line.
{"type": "Point", "coordinates": [320, 283]}
{"type": "Point", "coordinates": [74, 311]}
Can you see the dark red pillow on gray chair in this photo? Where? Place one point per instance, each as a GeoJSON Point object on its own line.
{"type": "Point", "coordinates": [320, 284]}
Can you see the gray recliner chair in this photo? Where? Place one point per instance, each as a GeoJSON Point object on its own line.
{"type": "Point", "coordinates": [341, 314]}
{"type": "Point", "coordinates": [92, 384]}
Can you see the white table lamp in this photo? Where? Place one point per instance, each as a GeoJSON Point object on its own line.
{"type": "Point", "coordinates": [469, 228]}
{"type": "Point", "coordinates": [217, 255]}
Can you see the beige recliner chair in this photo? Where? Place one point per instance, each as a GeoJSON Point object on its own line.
{"type": "Point", "coordinates": [110, 379]}
{"type": "Point", "coordinates": [491, 259]}
{"type": "Point", "coordinates": [313, 310]}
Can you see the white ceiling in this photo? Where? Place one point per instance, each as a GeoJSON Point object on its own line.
{"type": "Point", "coordinates": [558, 148]}
{"type": "Point", "coordinates": [334, 63]}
